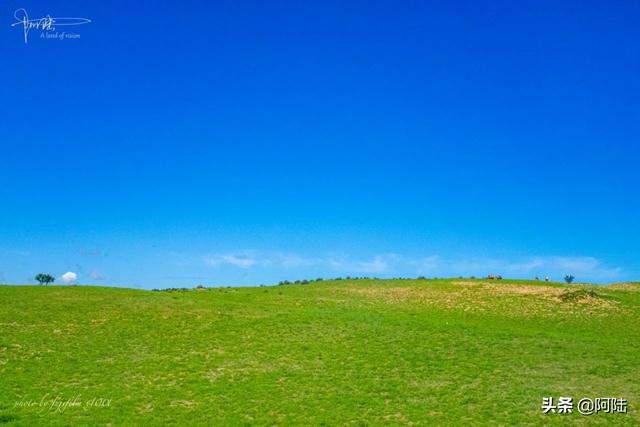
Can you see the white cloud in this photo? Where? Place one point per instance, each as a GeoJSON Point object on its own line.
{"type": "Point", "coordinates": [96, 275]}
{"type": "Point", "coordinates": [242, 260]}
{"type": "Point", "coordinates": [289, 260]}
{"type": "Point", "coordinates": [427, 264]}
{"type": "Point", "coordinates": [69, 277]}
{"type": "Point", "coordinates": [376, 265]}
{"type": "Point", "coordinates": [379, 264]}
{"type": "Point", "coordinates": [248, 259]}
{"type": "Point", "coordinates": [584, 268]}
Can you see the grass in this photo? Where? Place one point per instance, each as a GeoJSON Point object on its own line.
{"type": "Point", "coordinates": [333, 352]}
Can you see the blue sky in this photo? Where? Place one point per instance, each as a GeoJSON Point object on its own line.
{"type": "Point", "coordinates": [242, 142]}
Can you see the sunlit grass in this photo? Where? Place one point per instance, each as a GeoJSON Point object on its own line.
{"type": "Point", "coordinates": [364, 351]}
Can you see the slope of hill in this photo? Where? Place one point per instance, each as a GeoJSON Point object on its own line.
{"type": "Point", "coordinates": [334, 352]}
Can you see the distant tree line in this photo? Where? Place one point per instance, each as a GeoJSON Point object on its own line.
{"type": "Point", "coordinates": [568, 278]}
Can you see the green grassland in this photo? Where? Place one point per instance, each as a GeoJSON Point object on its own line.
{"type": "Point", "coordinates": [373, 352]}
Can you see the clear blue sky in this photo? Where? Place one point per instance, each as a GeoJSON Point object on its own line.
{"type": "Point", "coordinates": [246, 142]}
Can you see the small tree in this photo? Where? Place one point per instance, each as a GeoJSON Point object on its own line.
{"type": "Point", "coordinates": [569, 278]}
{"type": "Point", "coordinates": [45, 278]}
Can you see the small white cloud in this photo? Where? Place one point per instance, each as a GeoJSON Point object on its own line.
{"type": "Point", "coordinates": [69, 277]}
{"type": "Point", "coordinates": [379, 264]}
{"type": "Point", "coordinates": [426, 264]}
{"type": "Point", "coordinates": [289, 260]}
{"type": "Point", "coordinates": [96, 275]}
{"type": "Point", "coordinates": [242, 260]}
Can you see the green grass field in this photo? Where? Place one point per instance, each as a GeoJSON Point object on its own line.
{"type": "Point", "coordinates": [335, 352]}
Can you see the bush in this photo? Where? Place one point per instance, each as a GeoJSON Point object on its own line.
{"type": "Point", "coordinates": [569, 278]}
{"type": "Point", "coordinates": [580, 294]}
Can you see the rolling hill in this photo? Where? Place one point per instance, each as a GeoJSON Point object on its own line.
{"type": "Point", "coordinates": [455, 351]}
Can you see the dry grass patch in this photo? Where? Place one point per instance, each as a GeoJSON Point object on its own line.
{"type": "Point", "coordinates": [182, 403]}
{"type": "Point", "coordinates": [387, 294]}
{"type": "Point", "coordinates": [513, 299]}
{"type": "Point", "coordinates": [466, 298]}
{"type": "Point", "coordinates": [626, 286]}
{"type": "Point", "coordinates": [512, 289]}
{"type": "Point", "coordinates": [586, 297]}
{"type": "Point", "coordinates": [237, 369]}
{"type": "Point", "coordinates": [468, 283]}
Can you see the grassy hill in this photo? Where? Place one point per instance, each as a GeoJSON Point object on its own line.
{"type": "Point", "coordinates": [333, 352]}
